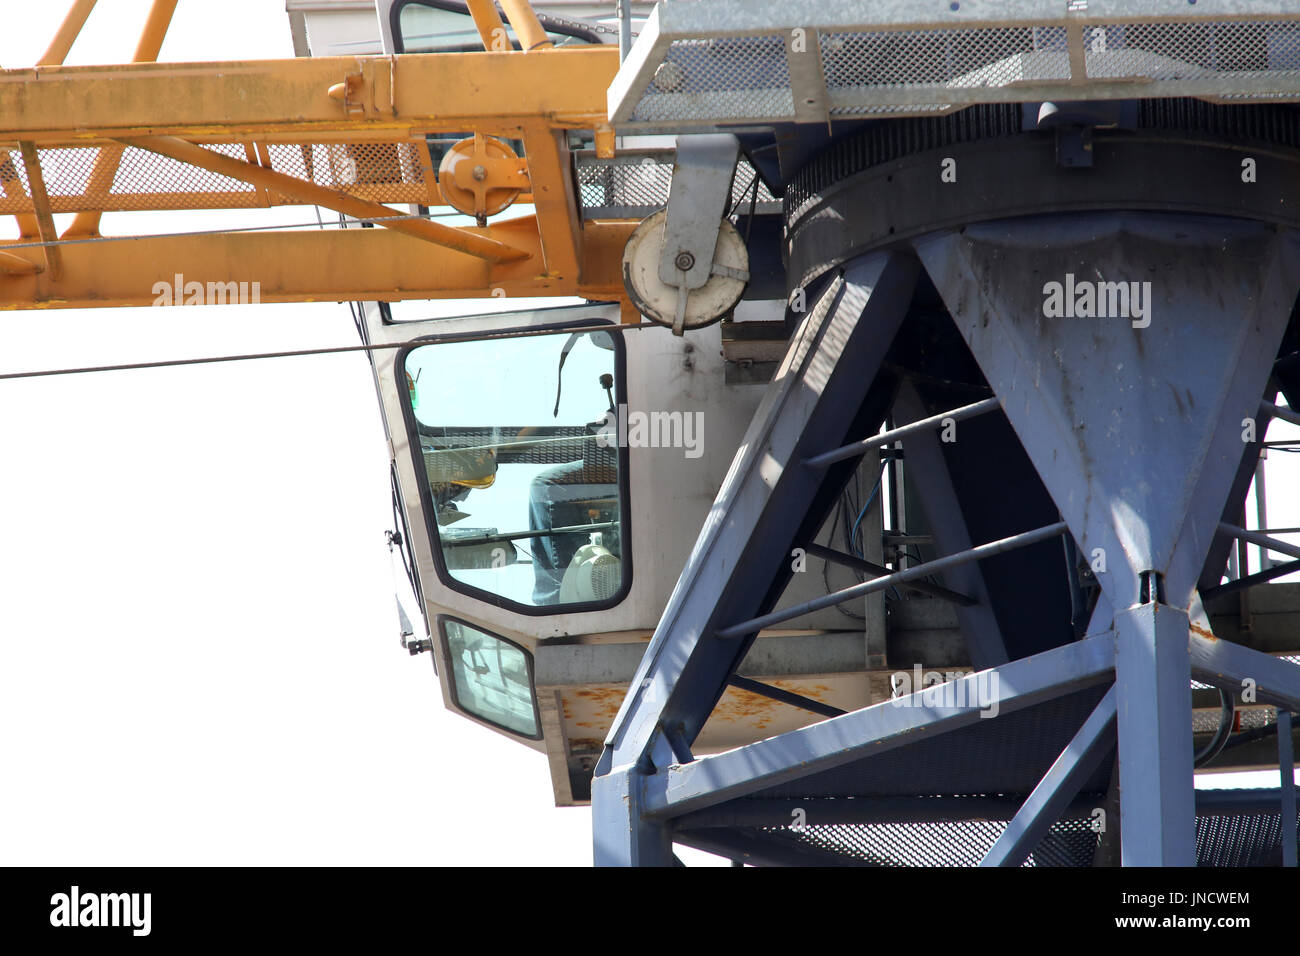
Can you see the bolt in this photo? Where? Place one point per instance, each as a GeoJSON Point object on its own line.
{"type": "Point", "coordinates": [479, 173]}
{"type": "Point", "coordinates": [684, 261]}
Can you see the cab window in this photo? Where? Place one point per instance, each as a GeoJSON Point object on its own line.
{"type": "Point", "coordinates": [517, 442]}
{"type": "Point", "coordinates": [491, 678]}
{"type": "Point", "coordinates": [445, 26]}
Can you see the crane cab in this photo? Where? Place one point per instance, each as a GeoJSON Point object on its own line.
{"type": "Point", "coordinates": [553, 465]}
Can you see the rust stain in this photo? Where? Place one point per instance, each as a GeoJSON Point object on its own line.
{"type": "Point", "coordinates": [1204, 632]}
{"type": "Point", "coordinates": [600, 705]}
{"type": "Point", "coordinates": [743, 706]}
{"type": "Point", "coordinates": [605, 700]}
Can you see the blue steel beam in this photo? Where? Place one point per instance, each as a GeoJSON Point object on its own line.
{"type": "Point", "coordinates": [928, 471]}
{"type": "Point", "coordinates": [1081, 756]}
{"type": "Point", "coordinates": [877, 570]}
{"type": "Point", "coordinates": [1286, 768]}
{"type": "Point", "coordinates": [1260, 539]}
{"type": "Point", "coordinates": [1132, 417]}
{"type": "Point", "coordinates": [814, 403]}
{"type": "Point", "coordinates": [918, 426]}
{"type": "Point", "coordinates": [621, 835]}
{"type": "Point", "coordinates": [1277, 411]}
{"type": "Point", "coordinates": [1236, 802]}
{"type": "Point", "coordinates": [1251, 580]}
{"type": "Point", "coordinates": [761, 504]}
{"type": "Point", "coordinates": [1216, 560]}
{"type": "Point", "coordinates": [1127, 359]}
{"type": "Point", "coordinates": [1233, 667]}
{"type": "Point", "coordinates": [1157, 796]}
{"type": "Point", "coordinates": [880, 727]}
{"type": "Point", "coordinates": [1135, 434]}
{"type": "Point", "coordinates": [914, 573]}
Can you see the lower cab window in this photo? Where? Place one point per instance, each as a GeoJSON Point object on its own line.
{"type": "Point", "coordinates": [491, 678]}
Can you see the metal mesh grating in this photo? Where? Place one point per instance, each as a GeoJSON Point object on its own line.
{"type": "Point", "coordinates": [857, 64]}
{"type": "Point", "coordinates": [726, 77]}
{"type": "Point", "coordinates": [176, 185]}
{"type": "Point", "coordinates": [447, 451]}
{"type": "Point", "coordinates": [115, 178]}
{"type": "Point", "coordinates": [694, 65]}
{"type": "Point", "coordinates": [1248, 839]}
{"type": "Point", "coordinates": [1247, 718]}
{"type": "Point", "coordinates": [382, 172]}
{"type": "Point", "coordinates": [15, 194]}
{"type": "Point", "coordinates": [945, 843]}
{"type": "Point", "coordinates": [1222, 840]}
{"type": "Point", "coordinates": [623, 187]}
{"type": "Point", "coordinates": [1176, 51]}
{"type": "Point", "coordinates": [883, 142]}
{"type": "Point", "coordinates": [1068, 843]}
{"type": "Point", "coordinates": [632, 185]}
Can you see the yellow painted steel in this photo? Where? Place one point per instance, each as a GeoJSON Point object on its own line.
{"type": "Point", "coordinates": [107, 160]}
{"type": "Point", "coordinates": [41, 207]}
{"type": "Point", "coordinates": [16, 265]}
{"type": "Point", "coordinates": [557, 208]}
{"type": "Point", "coordinates": [461, 240]}
{"type": "Point", "coordinates": [54, 55]}
{"type": "Point", "coordinates": [331, 265]}
{"type": "Point", "coordinates": [283, 139]}
{"type": "Point", "coordinates": [155, 31]}
{"type": "Point", "coordinates": [11, 188]}
{"type": "Point", "coordinates": [288, 100]}
{"type": "Point", "coordinates": [68, 33]}
{"type": "Point", "coordinates": [488, 23]}
{"type": "Point", "coordinates": [527, 27]}
{"type": "Point", "coordinates": [481, 176]}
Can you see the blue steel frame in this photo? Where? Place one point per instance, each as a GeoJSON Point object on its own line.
{"type": "Point", "coordinates": [1084, 753]}
{"type": "Point", "coordinates": [1140, 463]}
{"type": "Point", "coordinates": [1286, 768]}
{"type": "Point", "coordinates": [929, 476]}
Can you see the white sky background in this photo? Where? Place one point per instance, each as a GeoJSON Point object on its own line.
{"type": "Point", "coordinates": [198, 646]}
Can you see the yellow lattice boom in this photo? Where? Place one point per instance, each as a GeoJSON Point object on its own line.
{"type": "Point", "coordinates": [349, 134]}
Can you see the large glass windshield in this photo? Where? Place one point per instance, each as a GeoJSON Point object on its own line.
{"type": "Point", "coordinates": [517, 442]}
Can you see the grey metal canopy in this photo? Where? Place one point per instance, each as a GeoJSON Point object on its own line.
{"type": "Point", "coordinates": [715, 63]}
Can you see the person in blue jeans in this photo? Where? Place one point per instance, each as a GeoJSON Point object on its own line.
{"type": "Point", "coordinates": [581, 492]}
{"type": "Point", "coordinates": [558, 497]}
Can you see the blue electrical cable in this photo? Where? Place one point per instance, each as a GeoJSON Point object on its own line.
{"type": "Point", "coordinates": [853, 537]}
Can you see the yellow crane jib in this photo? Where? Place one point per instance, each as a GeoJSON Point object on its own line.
{"type": "Point", "coordinates": [350, 134]}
